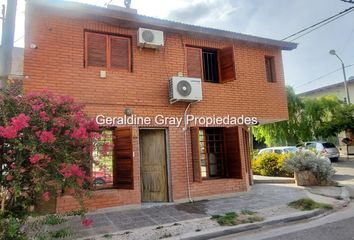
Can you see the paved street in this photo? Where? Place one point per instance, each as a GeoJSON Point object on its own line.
{"type": "Point", "coordinates": [341, 230]}
{"type": "Point", "coordinates": [336, 226]}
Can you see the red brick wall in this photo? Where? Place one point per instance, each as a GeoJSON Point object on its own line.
{"type": "Point", "coordinates": [57, 65]}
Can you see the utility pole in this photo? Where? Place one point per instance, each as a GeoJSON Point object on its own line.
{"type": "Point", "coordinates": [346, 90]}
{"type": "Point", "coordinates": [7, 42]}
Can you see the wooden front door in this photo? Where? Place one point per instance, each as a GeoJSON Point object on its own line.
{"type": "Point", "coordinates": [153, 165]}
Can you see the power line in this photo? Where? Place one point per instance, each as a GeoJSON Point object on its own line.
{"type": "Point", "coordinates": [321, 25]}
{"type": "Point", "coordinates": [323, 22]}
{"type": "Point", "coordinates": [18, 39]}
{"type": "Point", "coordinates": [348, 1]}
{"type": "Point", "coordinates": [323, 76]}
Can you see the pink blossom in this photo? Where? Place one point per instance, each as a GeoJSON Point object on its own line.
{"type": "Point", "coordinates": [72, 170]}
{"type": "Point", "coordinates": [35, 158]}
{"type": "Point", "coordinates": [75, 169]}
{"type": "Point", "coordinates": [106, 147]}
{"type": "Point", "coordinates": [92, 125]}
{"type": "Point", "coordinates": [80, 133]}
{"type": "Point", "coordinates": [20, 122]}
{"type": "Point", "coordinates": [87, 222]}
{"type": "Point", "coordinates": [38, 106]}
{"type": "Point", "coordinates": [9, 177]}
{"type": "Point", "coordinates": [43, 115]}
{"type": "Point", "coordinates": [47, 137]}
{"type": "Point", "coordinates": [59, 122]}
{"type": "Point", "coordinates": [8, 132]}
{"type": "Point", "coordinates": [46, 196]}
{"type": "Point", "coordinates": [67, 132]}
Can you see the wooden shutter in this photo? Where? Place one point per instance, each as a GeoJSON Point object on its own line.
{"type": "Point", "coordinates": [96, 50]}
{"type": "Point", "coordinates": [119, 53]}
{"type": "Point", "coordinates": [232, 153]}
{"type": "Point", "coordinates": [194, 62]}
{"type": "Point", "coordinates": [123, 158]}
{"type": "Point", "coordinates": [227, 64]}
{"type": "Point", "coordinates": [247, 153]}
{"type": "Point", "coordinates": [197, 174]}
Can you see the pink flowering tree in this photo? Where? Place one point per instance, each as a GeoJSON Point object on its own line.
{"type": "Point", "coordinates": [45, 146]}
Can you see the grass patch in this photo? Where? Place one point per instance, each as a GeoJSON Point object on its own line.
{"type": "Point", "coordinates": [306, 204]}
{"type": "Point", "coordinates": [247, 212]}
{"type": "Point", "coordinates": [62, 233]}
{"type": "Point", "coordinates": [53, 219]}
{"type": "Point", "coordinates": [232, 219]}
{"type": "Point", "coordinates": [229, 219]}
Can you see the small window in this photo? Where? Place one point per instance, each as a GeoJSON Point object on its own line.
{"type": "Point", "coordinates": [102, 168]}
{"type": "Point", "coordinates": [107, 51]}
{"type": "Point", "coordinates": [210, 66]}
{"type": "Point", "coordinates": [270, 69]}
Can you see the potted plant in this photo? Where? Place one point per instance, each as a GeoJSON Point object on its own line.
{"type": "Point", "coordinates": [309, 169]}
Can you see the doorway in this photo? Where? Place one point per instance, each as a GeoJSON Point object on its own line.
{"type": "Point", "coordinates": [153, 165]}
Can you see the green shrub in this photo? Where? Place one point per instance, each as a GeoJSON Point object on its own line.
{"type": "Point", "coordinates": [270, 164]}
{"type": "Point", "coordinates": [306, 204]}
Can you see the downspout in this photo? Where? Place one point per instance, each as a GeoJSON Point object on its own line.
{"type": "Point", "coordinates": [185, 128]}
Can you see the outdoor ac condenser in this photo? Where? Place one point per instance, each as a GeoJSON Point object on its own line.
{"type": "Point", "coordinates": [149, 38]}
{"type": "Point", "coordinates": [185, 89]}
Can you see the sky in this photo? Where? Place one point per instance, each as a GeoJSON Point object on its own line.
{"type": "Point", "coordinates": [305, 68]}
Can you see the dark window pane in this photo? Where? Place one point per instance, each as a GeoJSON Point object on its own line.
{"type": "Point", "coordinates": [269, 66]}
{"type": "Point", "coordinates": [210, 66]}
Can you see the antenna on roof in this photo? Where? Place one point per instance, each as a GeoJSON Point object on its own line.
{"type": "Point", "coordinates": [127, 3]}
{"type": "Point", "coordinates": [108, 2]}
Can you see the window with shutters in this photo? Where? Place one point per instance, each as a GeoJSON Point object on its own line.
{"type": "Point", "coordinates": [211, 65]}
{"type": "Point", "coordinates": [216, 153]}
{"type": "Point", "coordinates": [270, 69]}
{"type": "Point", "coordinates": [113, 159]}
{"type": "Point", "coordinates": [107, 51]}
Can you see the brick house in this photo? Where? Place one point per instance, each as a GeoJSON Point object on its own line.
{"type": "Point", "coordinates": [91, 54]}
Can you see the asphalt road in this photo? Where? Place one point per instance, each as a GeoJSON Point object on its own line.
{"type": "Point", "coordinates": [336, 226]}
{"type": "Point", "coordinates": [341, 230]}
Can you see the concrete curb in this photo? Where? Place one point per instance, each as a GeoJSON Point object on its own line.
{"type": "Point", "coordinates": [345, 195]}
{"type": "Point", "coordinates": [251, 226]}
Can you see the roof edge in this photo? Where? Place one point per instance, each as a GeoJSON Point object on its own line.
{"type": "Point", "coordinates": [161, 23]}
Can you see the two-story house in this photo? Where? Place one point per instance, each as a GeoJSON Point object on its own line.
{"type": "Point", "coordinates": [91, 53]}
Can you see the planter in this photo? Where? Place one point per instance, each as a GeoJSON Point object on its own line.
{"type": "Point", "coordinates": [305, 178]}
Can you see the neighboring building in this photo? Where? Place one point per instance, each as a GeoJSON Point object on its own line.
{"type": "Point", "coordinates": [337, 90]}
{"type": "Point", "coordinates": [17, 63]}
{"type": "Point", "coordinates": [91, 53]}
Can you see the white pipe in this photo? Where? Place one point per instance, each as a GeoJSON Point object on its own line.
{"type": "Point", "coordinates": [186, 153]}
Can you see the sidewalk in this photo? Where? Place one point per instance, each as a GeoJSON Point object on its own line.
{"type": "Point", "coordinates": [193, 220]}
{"type": "Point", "coordinates": [259, 198]}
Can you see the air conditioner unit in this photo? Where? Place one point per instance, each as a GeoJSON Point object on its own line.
{"type": "Point", "coordinates": [149, 38]}
{"type": "Point", "coordinates": [185, 89]}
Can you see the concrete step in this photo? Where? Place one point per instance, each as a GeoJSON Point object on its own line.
{"type": "Point", "coordinates": [275, 180]}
